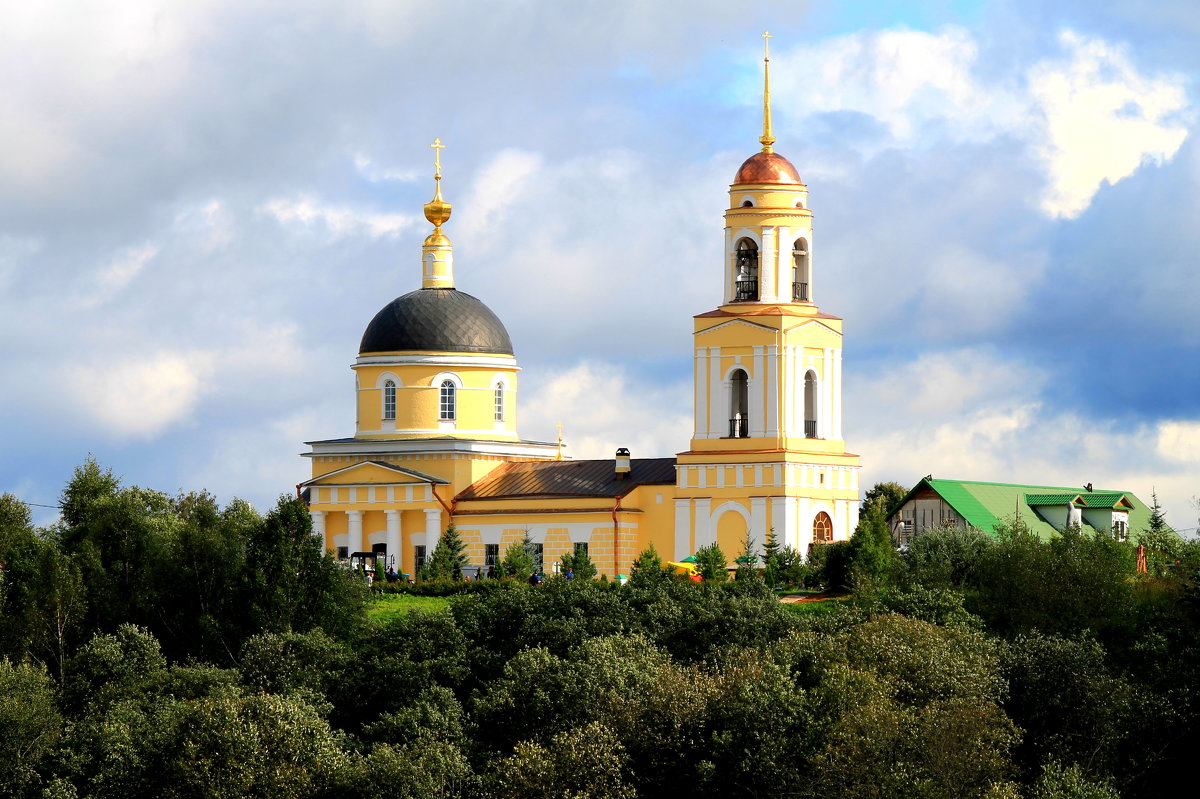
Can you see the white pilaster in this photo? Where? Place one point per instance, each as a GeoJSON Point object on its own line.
{"type": "Point", "coordinates": [718, 395]}
{"type": "Point", "coordinates": [683, 531]}
{"type": "Point", "coordinates": [757, 400]}
{"type": "Point", "coordinates": [758, 519]}
{"type": "Point", "coordinates": [772, 420]}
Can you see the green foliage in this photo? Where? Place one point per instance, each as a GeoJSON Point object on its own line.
{"type": "Point", "coordinates": [449, 557]}
{"type": "Point", "coordinates": [585, 761]}
{"type": "Point", "coordinates": [947, 555]}
{"type": "Point", "coordinates": [648, 568]}
{"type": "Point", "coordinates": [30, 721]}
{"type": "Point", "coordinates": [883, 498]}
{"type": "Point", "coordinates": [579, 563]}
{"type": "Point", "coordinates": [711, 563]}
{"type": "Point", "coordinates": [518, 559]}
{"type": "Point", "coordinates": [1057, 782]}
{"type": "Point", "coordinates": [1075, 581]}
{"type": "Point", "coordinates": [871, 555]}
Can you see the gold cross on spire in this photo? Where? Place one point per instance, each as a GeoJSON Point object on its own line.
{"type": "Point", "coordinates": [559, 455]}
{"type": "Point", "coordinates": [767, 139]}
{"type": "Point", "coordinates": [437, 158]}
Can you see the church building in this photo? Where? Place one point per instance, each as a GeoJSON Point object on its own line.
{"type": "Point", "coordinates": [436, 400]}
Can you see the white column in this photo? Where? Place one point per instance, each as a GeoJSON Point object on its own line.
{"type": "Point", "coordinates": [768, 271]}
{"type": "Point", "coordinates": [355, 541]}
{"type": "Point", "coordinates": [433, 529]}
{"type": "Point", "coordinates": [701, 386]}
{"type": "Point", "coordinates": [837, 394]}
{"type": "Point", "coordinates": [318, 525]}
{"type": "Point", "coordinates": [393, 539]}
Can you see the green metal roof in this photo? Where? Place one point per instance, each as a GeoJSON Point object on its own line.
{"type": "Point", "coordinates": [1102, 499]}
{"type": "Point", "coordinates": [984, 505]}
{"type": "Point", "coordinates": [1049, 499]}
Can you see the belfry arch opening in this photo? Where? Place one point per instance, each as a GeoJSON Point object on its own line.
{"type": "Point", "coordinates": [810, 405]}
{"type": "Point", "coordinates": [745, 280]}
{"type": "Point", "coordinates": [801, 277]}
{"type": "Point", "coordinates": [739, 404]}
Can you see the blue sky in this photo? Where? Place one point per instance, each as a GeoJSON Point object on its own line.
{"type": "Point", "coordinates": [202, 205]}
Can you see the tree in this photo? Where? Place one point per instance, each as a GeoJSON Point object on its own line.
{"type": "Point", "coordinates": [710, 560]}
{"type": "Point", "coordinates": [872, 558]}
{"type": "Point", "coordinates": [883, 498]}
{"type": "Point", "coordinates": [579, 563]}
{"type": "Point", "coordinates": [1158, 522]}
{"type": "Point", "coordinates": [518, 559]}
{"type": "Point", "coordinates": [30, 721]}
{"type": "Point", "coordinates": [449, 556]}
{"type": "Point", "coordinates": [772, 573]}
{"type": "Point", "coordinates": [747, 562]}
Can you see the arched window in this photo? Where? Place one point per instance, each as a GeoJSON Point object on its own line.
{"type": "Point", "coordinates": [446, 401]}
{"type": "Point", "coordinates": [746, 271]}
{"type": "Point", "coordinates": [389, 399]}
{"type": "Point", "coordinates": [822, 529]}
{"type": "Point", "coordinates": [499, 402]}
{"type": "Point", "coordinates": [810, 405]}
{"type": "Point", "coordinates": [747, 204]}
{"type": "Point", "coordinates": [800, 275]}
{"type": "Point", "coordinates": [739, 404]}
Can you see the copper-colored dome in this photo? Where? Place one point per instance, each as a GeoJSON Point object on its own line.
{"type": "Point", "coordinates": [767, 168]}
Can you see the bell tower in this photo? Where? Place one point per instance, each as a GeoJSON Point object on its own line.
{"type": "Point", "coordinates": [767, 449]}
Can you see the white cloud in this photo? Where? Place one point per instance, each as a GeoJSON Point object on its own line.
{"type": "Point", "coordinates": [111, 280]}
{"type": "Point", "coordinates": [1089, 116]}
{"type": "Point", "coordinates": [499, 186]}
{"type": "Point", "coordinates": [1179, 442]}
{"type": "Point", "coordinates": [339, 222]}
{"type": "Point", "coordinates": [141, 397]}
{"type": "Point", "coordinates": [1103, 120]}
{"type": "Point", "coordinates": [375, 173]}
{"type": "Point", "coordinates": [973, 415]}
{"type": "Point", "coordinates": [602, 407]}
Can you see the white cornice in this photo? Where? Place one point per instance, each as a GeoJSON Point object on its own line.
{"type": "Point", "coordinates": [456, 360]}
{"type": "Point", "coordinates": [424, 446]}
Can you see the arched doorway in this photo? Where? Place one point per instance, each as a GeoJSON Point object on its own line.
{"type": "Point", "coordinates": [731, 534]}
{"type": "Point", "coordinates": [822, 529]}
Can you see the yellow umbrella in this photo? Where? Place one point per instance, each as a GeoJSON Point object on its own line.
{"type": "Point", "coordinates": [681, 568]}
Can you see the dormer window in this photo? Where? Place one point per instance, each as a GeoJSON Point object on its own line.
{"type": "Point", "coordinates": [446, 401]}
{"type": "Point", "coordinates": [389, 399]}
{"type": "Point", "coordinates": [746, 271]}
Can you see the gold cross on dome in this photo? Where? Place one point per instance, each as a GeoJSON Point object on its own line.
{"type": "Point", "coordinates": [437, 156]}
{"type": "Point", "coordinates": [766, 45]}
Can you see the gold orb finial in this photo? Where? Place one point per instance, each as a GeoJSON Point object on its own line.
{"type": "Point", "coordinates": [767, 139]}
{"type": "Point", "coordinates": [437, 210]}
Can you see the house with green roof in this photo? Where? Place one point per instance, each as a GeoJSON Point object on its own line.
{"type": "Point", "coordinates": [1044, 510]}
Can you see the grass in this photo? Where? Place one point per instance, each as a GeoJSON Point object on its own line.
{"type": "Point", "coordinates": [387, 607]}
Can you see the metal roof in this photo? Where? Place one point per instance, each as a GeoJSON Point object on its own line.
{"type": "Point", "coordinates": [570, 479]}
{"type": "Point", "coordinates": [1050, 499]}
{"type": "Point", "coordinates": [984, 505]}
{"type": "Point", "coordinates": [436, 320]}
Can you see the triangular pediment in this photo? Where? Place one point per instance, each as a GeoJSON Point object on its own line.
{"type": "Point", "coordinates": [724, 325]}
{"type": "Point", "coordinates": [374, 473]}
{"type": "Point", "coordinates": [816, 322]}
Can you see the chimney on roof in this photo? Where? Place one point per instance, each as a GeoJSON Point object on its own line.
{"type": "Point", "coordinates": [622, 464]}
